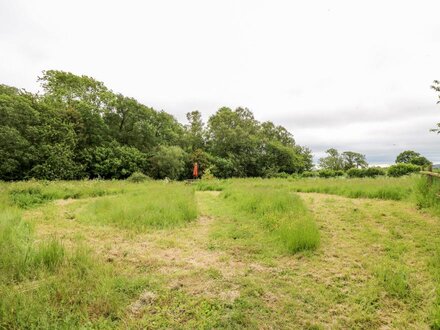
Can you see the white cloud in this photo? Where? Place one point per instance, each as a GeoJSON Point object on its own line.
{"type": "Point", "coordinates": [349, 74]}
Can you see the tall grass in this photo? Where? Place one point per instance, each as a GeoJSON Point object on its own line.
{"type": "Point", "coordinates": [379, 188]}
{"type": "Point", "coordinates": [20, 257]}
{"type": "Point", "coordinates": [84, 293]}
{"type": "Point", "coordinates": [34, 193]}
{"type": "Point", "coordinates": [211, 185]}
{"type": "Point", "coordinates": [428, 194]}
{"type": "Point", "coordinates": [158, 205]}
{"type": "Point", "coordinates": [279, 212]}
{"type": "Point", "coordinates": [44, 286]}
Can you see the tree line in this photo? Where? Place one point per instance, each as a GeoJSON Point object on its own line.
{"type": "Point", "coordinates": [78, 128]}
{"type": "Point", "coordinates": [354, 164]}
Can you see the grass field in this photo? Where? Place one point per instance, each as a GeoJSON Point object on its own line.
{"type": "Point", "coordinates": [239, 253]}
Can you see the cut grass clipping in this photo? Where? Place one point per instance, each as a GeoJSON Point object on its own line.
{"type": "Point", "coordinates": [158, 205]}
{"type": "Point", "coordinates": [281, 213]}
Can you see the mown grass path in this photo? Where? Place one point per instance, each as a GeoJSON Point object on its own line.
{"type": "Point", "coordinates": [373, 268]}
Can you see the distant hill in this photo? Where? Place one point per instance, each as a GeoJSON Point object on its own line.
{"type": "Point", "coordinates": [436, 166]}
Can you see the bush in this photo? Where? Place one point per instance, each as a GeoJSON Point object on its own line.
{"type": "Point", "coordinates": [207, 175]}
{"type": "Point", "coordinates": [223, 168]}
{"type": "Point", "coordinates": [402, 169]}
{"type": "Point", "coordinates": [330, 173]}
{"type": "Point", "coordinates": [280, 175]}
{"type": "Point", "coordinates": [56, 164]}
{"type": "Point", "coordinates": [114, 162]}
{"type": "Point", "coordinates": [309, 174]}
{"type": "Point", "coordinates": [137, 177]}
{"type": "Point", "coordinates": [355, 173]}
{"type": "Point", "coordinates": [168, 162]}
{"type": "Point", "coordinates": [370, 172]}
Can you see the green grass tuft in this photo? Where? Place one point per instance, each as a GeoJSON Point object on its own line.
{"type": "Point", "coordinates": [158, 205]}
{"type": "Point", "coordinates": [394, 278]}
{"type": "Point", "coordinates": [280, 212]}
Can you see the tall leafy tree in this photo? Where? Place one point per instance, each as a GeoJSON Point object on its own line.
{"type": "Point", "coordinates": [272, 132]}
{"type": "Point", "coordinates": [353, 159]}
{"type": "Point", "coordinates": [232, 134]}
{"type": "Point", "coordinates": [412, 157]}
{"type": "Point", "coordinates": [82, 100]}
{"type": "Point", "coordinates": [195, 131]}
{"type": "Point", "coordinates": [168, 162]}
{"type": "Point", "coordinates": [79, 128]}
{"type": "Point", "coordinates": [333, 161]}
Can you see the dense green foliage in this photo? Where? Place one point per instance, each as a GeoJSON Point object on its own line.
{"type": "Point", "coordinates": [370, 172]}
{"type": "Point", "coordinates": [412, 157]}
{"type": "Point", "coordinates": [328, 173]}
{"type": "Point", "coordinates": [401, 169]}
{"type": "Point", "coordinates": [138, 177]}
{"type": "Point", "coordinates": [78, 128]}
{"type": "Point", "coordinates": [345, 161]}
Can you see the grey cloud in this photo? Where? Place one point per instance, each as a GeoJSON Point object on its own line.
{"type": "Point", "coordinates": [358, 114]}
{"type": "Point", "coordinates": [317, 77]}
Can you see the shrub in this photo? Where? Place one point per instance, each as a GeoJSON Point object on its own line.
{"type": "Point", "coordinates": [207, 175]}
{"type": "Point", "coordinates": [309, 174]}
{"type": "Point", "coordinates": [402, 169]}
{"type": "Point", "coordinates": [330, 173]}
{"type": "Point", "coordinates": [113, 162]}
{"type": "Point", "coordinates": [168, 162]}
{"type": "Point", "coordinates": [356, 173]}
{"type": "Point", "coordinates": [137, 177]}
{"type": "Point", "coordinates": [223, 168]}
{"type": "Point", "coordinates": [280, 175]}
{"type": "Point", "coordinates": [56, 164]}
{"type": "Point", "coordinates": [370, 172]}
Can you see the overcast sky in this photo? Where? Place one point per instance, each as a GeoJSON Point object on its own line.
{"type": "Point", "coordinates": [351, 74]}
